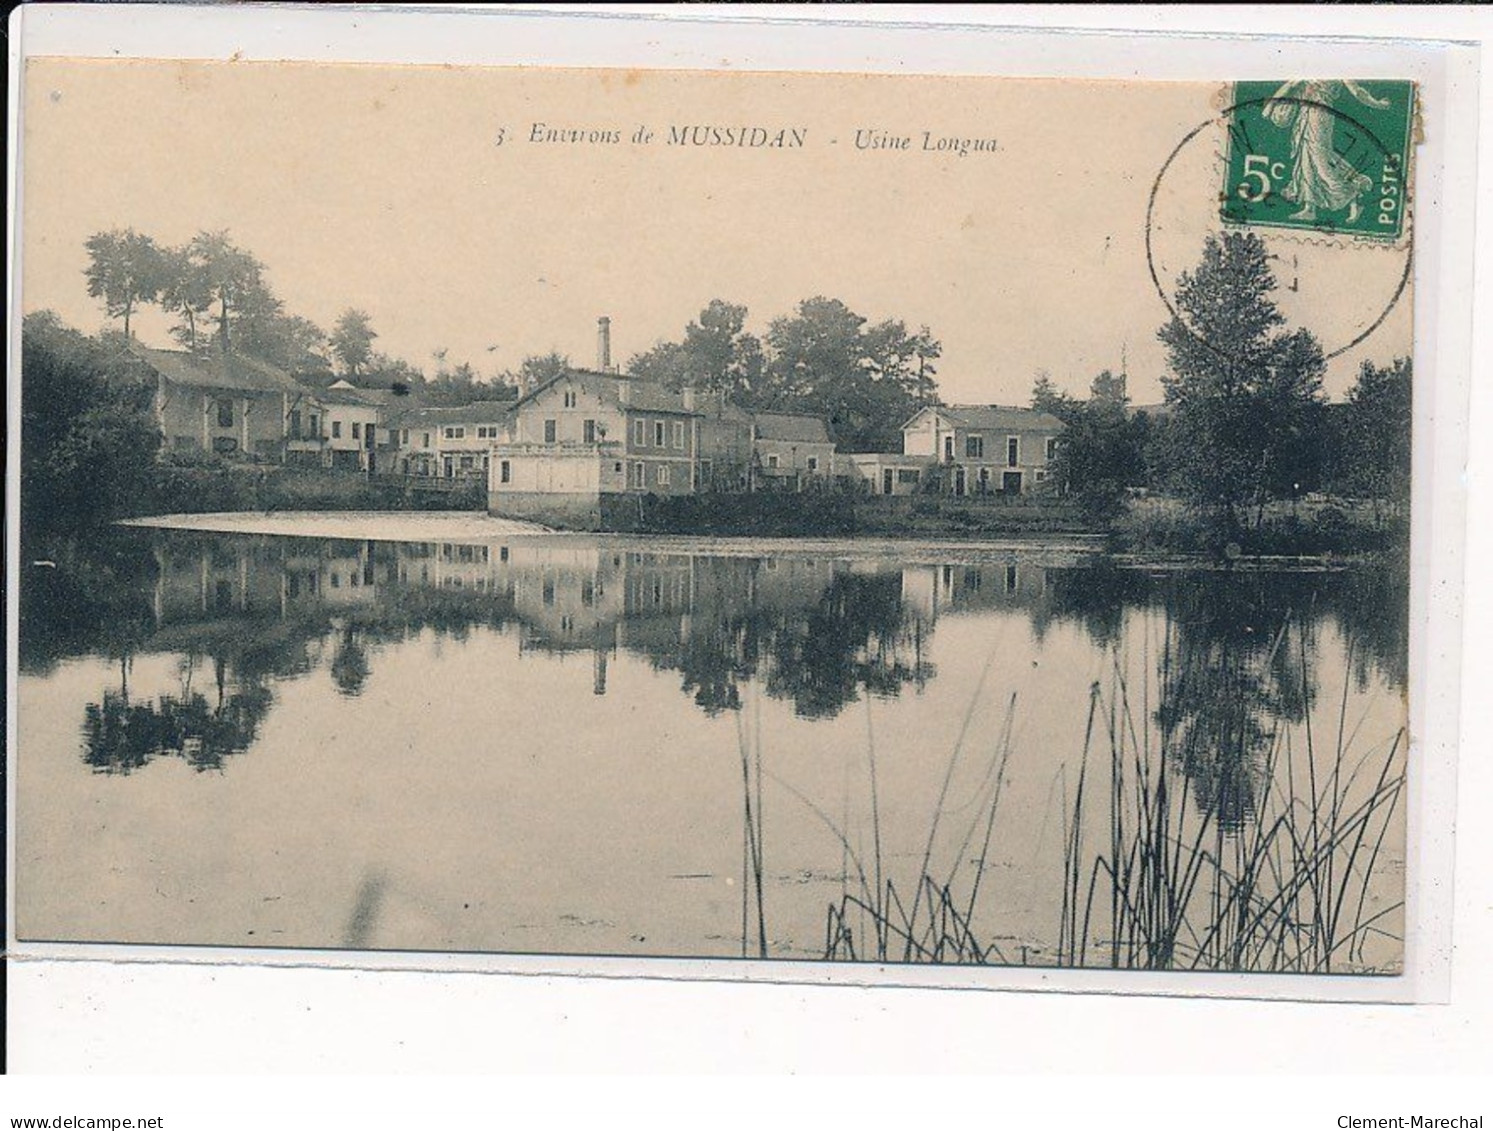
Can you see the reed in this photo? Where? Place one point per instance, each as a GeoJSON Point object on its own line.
{"type": "Point", "coordinates": [932, 918]}
{"type": "Point", "coordinates": [1156, 874]}
{"type": "Point", "coordinates": [1171, 886]}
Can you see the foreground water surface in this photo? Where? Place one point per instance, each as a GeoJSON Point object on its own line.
{"type": "Point", "coordinates": [570, 744]}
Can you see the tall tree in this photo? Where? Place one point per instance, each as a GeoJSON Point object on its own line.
{"type": "Point", "coordinates": [1047, 397]}
{"type": "Point", "coordinates": [866, 382]}
{"type": "Point", "coordinates": [352, 340]}
{"type": "Point", "coordinates": [1375, 444]}
{"type": "Point", "coordinates": [186, 292]}
{"type": "Point", "coordinates": [125, 269]}
{"type": "Point", "coordinates": [1245, 394]}
{"type": "Point", "coordinates": [264, 329]}
{"type": "Point", "coordinates": [1100, 455]}
{"type": "Point", "coordinates": [716, 355]}
{"type": "Point", "coordinates": [233, 277]}
{"type": "Point", "coordinates": [536, 369]}
{"type": "Point", "coordinates": [666, 364]}
{"type": "Point", "coordinates": [1109, 388]}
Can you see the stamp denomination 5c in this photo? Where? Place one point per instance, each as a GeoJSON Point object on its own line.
{"type": "Point", "coordinates": [1329, 155]}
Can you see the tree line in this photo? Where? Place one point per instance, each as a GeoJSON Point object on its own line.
{"type": "Point", "coordinates": [1246, 420]}
{"type": "Point", "coordinates": [824, 359]}
{"type": "Point", "coordinates": [222, 301]}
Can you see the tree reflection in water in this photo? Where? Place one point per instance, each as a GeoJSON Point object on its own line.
{"type": "Point", "coordinates": [820, 653]}
{"type": "Point", "coordinates": [1231, 665]}
{"type": "Point", "coordinates": [120, 735]}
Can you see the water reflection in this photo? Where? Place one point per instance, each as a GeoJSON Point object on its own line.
{"type": "Point", "coordinates": [596, 745]}
{"type": "Point", "coordinates": [1235, 659]}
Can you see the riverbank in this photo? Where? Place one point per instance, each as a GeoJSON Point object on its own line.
{"type": "Point", "coordinates": [1149, 532]}
{"type": "Point", "coordinates": [1325, 531]}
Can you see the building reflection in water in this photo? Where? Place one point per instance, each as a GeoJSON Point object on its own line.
{"type": "Point", "coordinates": [817, 631]}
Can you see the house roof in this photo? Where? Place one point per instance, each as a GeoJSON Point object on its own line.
{"type": "Point", "coordinates": [641, 395]}
{"type": "Point", "coordinates": [995, 417]}
{"type": "Point", "coordinates": [474, 413]}
{"type": "Point", "coordinates": [343, 393]}
{"type": "Point", "coordinates": [216, 371]}
{"type": "Point", "coordinates": [790, 426]}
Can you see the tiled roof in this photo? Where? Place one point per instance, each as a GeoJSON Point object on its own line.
{"type": "Point", "coordinates": [640, 395]}
{"type": "Point", "coordinates": [996, 418]}
{"type": "Point", "coordinates": [334, 395]}
{"type": "Point", "coordinates": [789, 426]}
{"type": "Point", "coordinates": [479, 412]}
{"type": "Point", "coordinates": [215, 371]}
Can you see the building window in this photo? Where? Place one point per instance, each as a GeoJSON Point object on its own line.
{"type": "Point", "coordinates": [974, 447]}
{"type": "Point", "coordinates": [549, 431]}
{"type": "Point", "coordinates": [467, 463]}
{"type": "Point", "coordinates": [658, 434]}
{"type": "Point", "coordinates": [1052, 448]}
{"type": "Point", "coordinates": [813, 463]}
{"type": "Point", "coordinates": [314, 430]}
{"type": "Point", "coordinates": [225, 414]}
{"type": "Point", "coordinates": [640, 434]}
{"type": "Point", "coordinates": [1013, 451]}
{"type": "Point", "coordinates": [357, 430]}
{"type": "Point", "coordinates": [505, 475]}
{"type": "Point", "coordinates": [588, 431]}
{"type": "Point", "coordinates": [663, 475]}
{"type": "Point", "coordinates": [426, 439]}
{"type": "Point", "coordinates": [772, 462]}
{"type": "Point", "coordinates": [948, 447]}
{"type": "Point", "coordinates": [1041, 477]}
{"type": "Point", "coordinates": [906, 475]}
{"type": "Point", "coordinates": [404, 437]}
{"type": "Point", "coordinates": [679, 434]}
{"type": "Point", "coordinates": [617, 468]}
{"type": "Point", "coordinates": [569, 398]}
{"type": "Point", "coordinates": [639, 472]}
{"type": "Point", "coordinates": [336, 429]}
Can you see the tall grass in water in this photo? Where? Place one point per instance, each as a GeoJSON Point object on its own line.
{"type": "Point", "coordinates": [1178, 879]}
{"type": "Point", "coordinates": [932, 919]}
{"type": "Point", "coordinates": [1229, 838]}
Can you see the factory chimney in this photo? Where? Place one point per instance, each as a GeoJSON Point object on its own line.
{"type": "Point", "coordinates": [604, 344]}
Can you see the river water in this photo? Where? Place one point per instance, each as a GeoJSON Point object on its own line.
{"type": "Point", "coordinates": [583, 745]}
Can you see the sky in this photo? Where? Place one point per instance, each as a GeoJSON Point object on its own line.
{"type": "Point", "coordinates": [419, 195]}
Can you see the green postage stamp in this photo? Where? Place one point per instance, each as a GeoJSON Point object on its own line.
{"type": "Point", "coordinates": [1329, 155]}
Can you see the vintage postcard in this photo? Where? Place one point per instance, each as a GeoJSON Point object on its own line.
{"type": "Point", "coordinates": [869, 520]}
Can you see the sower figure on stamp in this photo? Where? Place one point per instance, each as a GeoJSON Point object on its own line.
{"type": "Point", "coordinates": [1321, 178]}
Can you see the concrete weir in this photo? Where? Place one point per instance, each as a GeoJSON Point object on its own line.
{"type": "Point", "coordinates": [374, 526]}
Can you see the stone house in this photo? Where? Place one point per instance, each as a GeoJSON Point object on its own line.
{"type": "Point", "coordinates": [232, 405]}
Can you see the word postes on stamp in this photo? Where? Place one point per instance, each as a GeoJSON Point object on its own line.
{"type": "Point", "coordinates": [1326, 155]}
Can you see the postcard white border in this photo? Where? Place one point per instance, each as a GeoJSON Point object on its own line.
{"type": "Point", "coordinates": [900, 42]}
